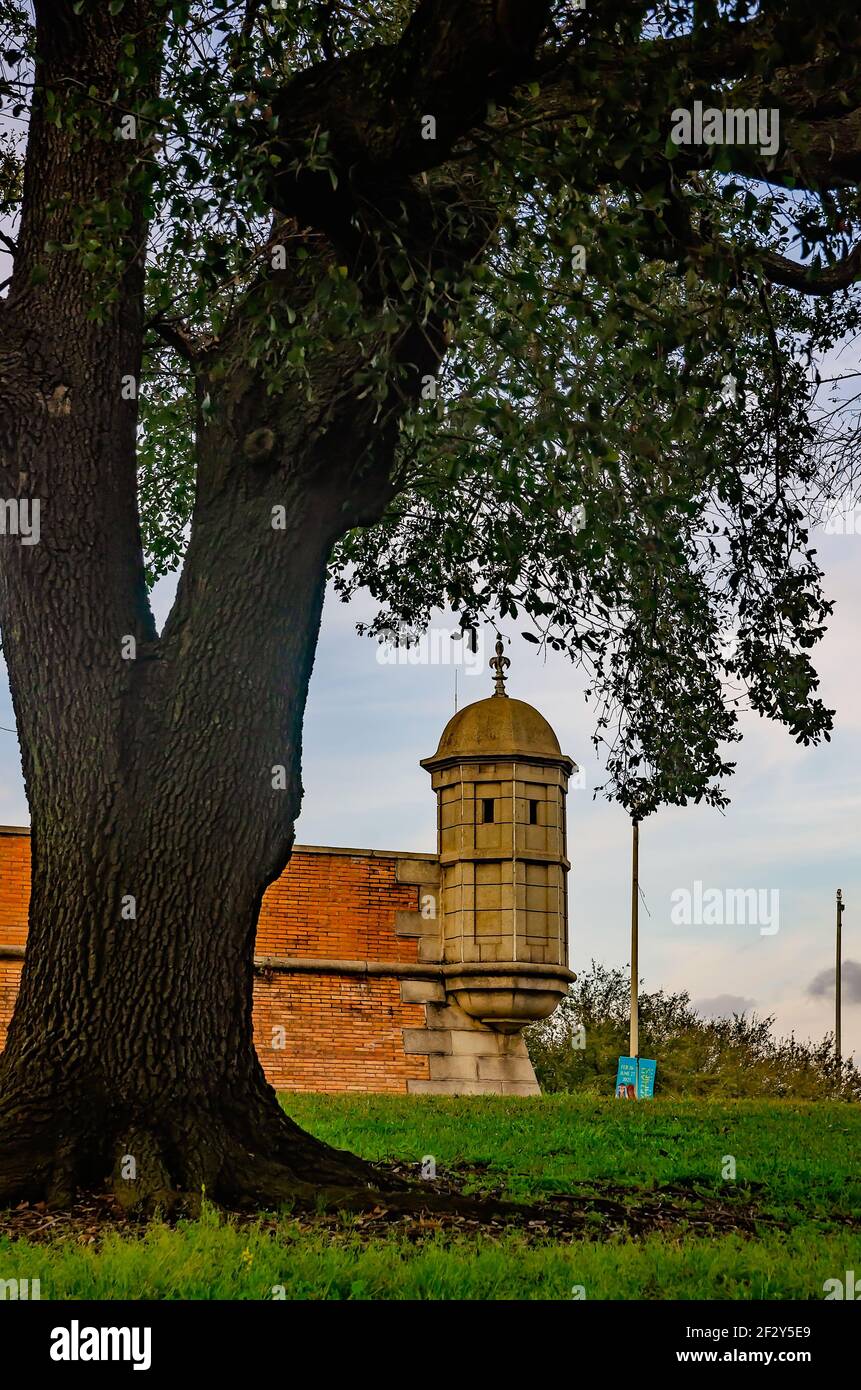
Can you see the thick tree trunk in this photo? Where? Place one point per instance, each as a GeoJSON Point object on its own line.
{"type": "Point", "coordinates": [158, 815]}
{"type": "Point", "coordinates": [130, 1053]}
{"type": "Point", "coordinates": [163, 771]}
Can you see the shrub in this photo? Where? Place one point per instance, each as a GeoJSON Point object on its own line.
{"type": "Point", "coordinates": [721, 1057]}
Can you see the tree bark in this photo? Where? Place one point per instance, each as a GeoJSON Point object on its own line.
{"type": "Point", "coordinates": [163, 771]}
{"type": "Point", "coordinates": [163, 788]}
{"type": "Point", "coordinates": [131, 1052]}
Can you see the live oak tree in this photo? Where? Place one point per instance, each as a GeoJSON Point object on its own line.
{"type": "Point", "coordinates": [423, 295]}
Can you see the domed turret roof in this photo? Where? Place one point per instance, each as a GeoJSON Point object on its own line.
{"type": "Point", "coordinates": [497, 727]}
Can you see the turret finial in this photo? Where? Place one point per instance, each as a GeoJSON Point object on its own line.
{"type": "Point", "coordinates": [498, 665]}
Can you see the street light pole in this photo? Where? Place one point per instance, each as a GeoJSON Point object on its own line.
{"type": "Point", "coordinates": [634, 1049]}
{"type": "Point", "coordinates": [837, 983]}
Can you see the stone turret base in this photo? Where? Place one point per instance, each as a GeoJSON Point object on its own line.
{"type": "Point", "coordinates": [465, 1057]}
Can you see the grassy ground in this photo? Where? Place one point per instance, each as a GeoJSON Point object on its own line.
{"type": "Point", "coordinates": [618, 1201]}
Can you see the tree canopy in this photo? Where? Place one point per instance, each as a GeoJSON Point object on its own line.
{"type": "Point", "coordinates": [622, 445]}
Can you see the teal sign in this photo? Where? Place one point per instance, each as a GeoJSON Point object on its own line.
{"type": "Point", "coordinates": [635, 1078]}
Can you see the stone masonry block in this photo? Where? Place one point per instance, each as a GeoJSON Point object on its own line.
{"type": "Point", "coordinates": [418, 871]}
{"type": "Point", "coordinates": [480, 1043]}
{"type": "Point", "coordinates": [454, 1088]}
{"type": "Point", "coordinates": [453, 1068]}
{"type": "Point", "coordinates": [409, 923]}
{"type": "Point", "coordinates": [421, 992]}
{"type": "Point", "coordinates": [423, 1040]}
{"type": "Point", "coordinates": [451, 1016]}
{"type": "Point", "coordinates": [505, 1069]}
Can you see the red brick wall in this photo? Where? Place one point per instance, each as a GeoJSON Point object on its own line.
{"type": "Point", "coordinates": [338, 905]}
{"type": "Point", "coordinates": [14, 887]}
{"type": "Point", "coordinates": [342, 1032]}
{"type": "Point", "coordinates": [14, 897]}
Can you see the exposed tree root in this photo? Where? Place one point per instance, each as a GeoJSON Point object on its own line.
{"type": "Point", "coordinates": [174, 1167]}
{"type": "Point", "coordinates": [247, 1155]}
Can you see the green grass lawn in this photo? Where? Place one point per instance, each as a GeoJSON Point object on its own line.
{"type": "Point", "coordinates": [645, 1180]}
{"type": "Point", "coordinates": [808, 1153]}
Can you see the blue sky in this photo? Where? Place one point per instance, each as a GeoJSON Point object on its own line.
{"type": "Point", "coordinates": [793, 825]}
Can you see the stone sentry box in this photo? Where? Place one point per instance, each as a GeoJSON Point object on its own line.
{"type": "Point", "coordinates": [500, 922]}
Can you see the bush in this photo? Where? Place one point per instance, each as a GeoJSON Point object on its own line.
{"type": "Point", "coordinates": [578, 1047]}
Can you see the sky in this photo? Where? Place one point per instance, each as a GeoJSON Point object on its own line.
{"type": "Point", "coordinates": [791, 832]}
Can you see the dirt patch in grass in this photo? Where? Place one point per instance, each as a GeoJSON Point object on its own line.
{"type": "Point", "coordinates": [465, 1199]}
{"type": "Point", "coordinates": [86, 1220]}
{"type": "Point", "coordinates": [595, 1210]}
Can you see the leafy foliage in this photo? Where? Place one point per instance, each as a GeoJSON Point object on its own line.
{"type": "Point", "coordinates": [620, 447]}
{"type": "Point", "coordinates": [725, 1058]}
{"type": "Point", "coordinates": [626, 460]}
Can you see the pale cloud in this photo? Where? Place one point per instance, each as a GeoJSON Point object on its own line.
{"type": "Point", "coordinates": [822, 984]}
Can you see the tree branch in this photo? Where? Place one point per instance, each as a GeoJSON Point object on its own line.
{"type": "Point", "coordinates": [782, 271]}
{"type": "Point", "coordinates": [819, 101]}
{"type": "Point", "coordinates": [177, 336]}
{"type": "Point", "coordinates": [374, 104]}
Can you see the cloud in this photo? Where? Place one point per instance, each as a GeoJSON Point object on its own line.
{"type": "Point", "coordinates": [723, 1006]}
{"type": "Point", "coordinates": [822, 985]}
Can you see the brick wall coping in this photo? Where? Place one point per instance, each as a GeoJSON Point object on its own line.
{"type": "Point", "coordinates": [300, 849]}
{"type": "Point", "coordinates": [322, 965]}
{"type": "Point", "coordinates": [312, 965]}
